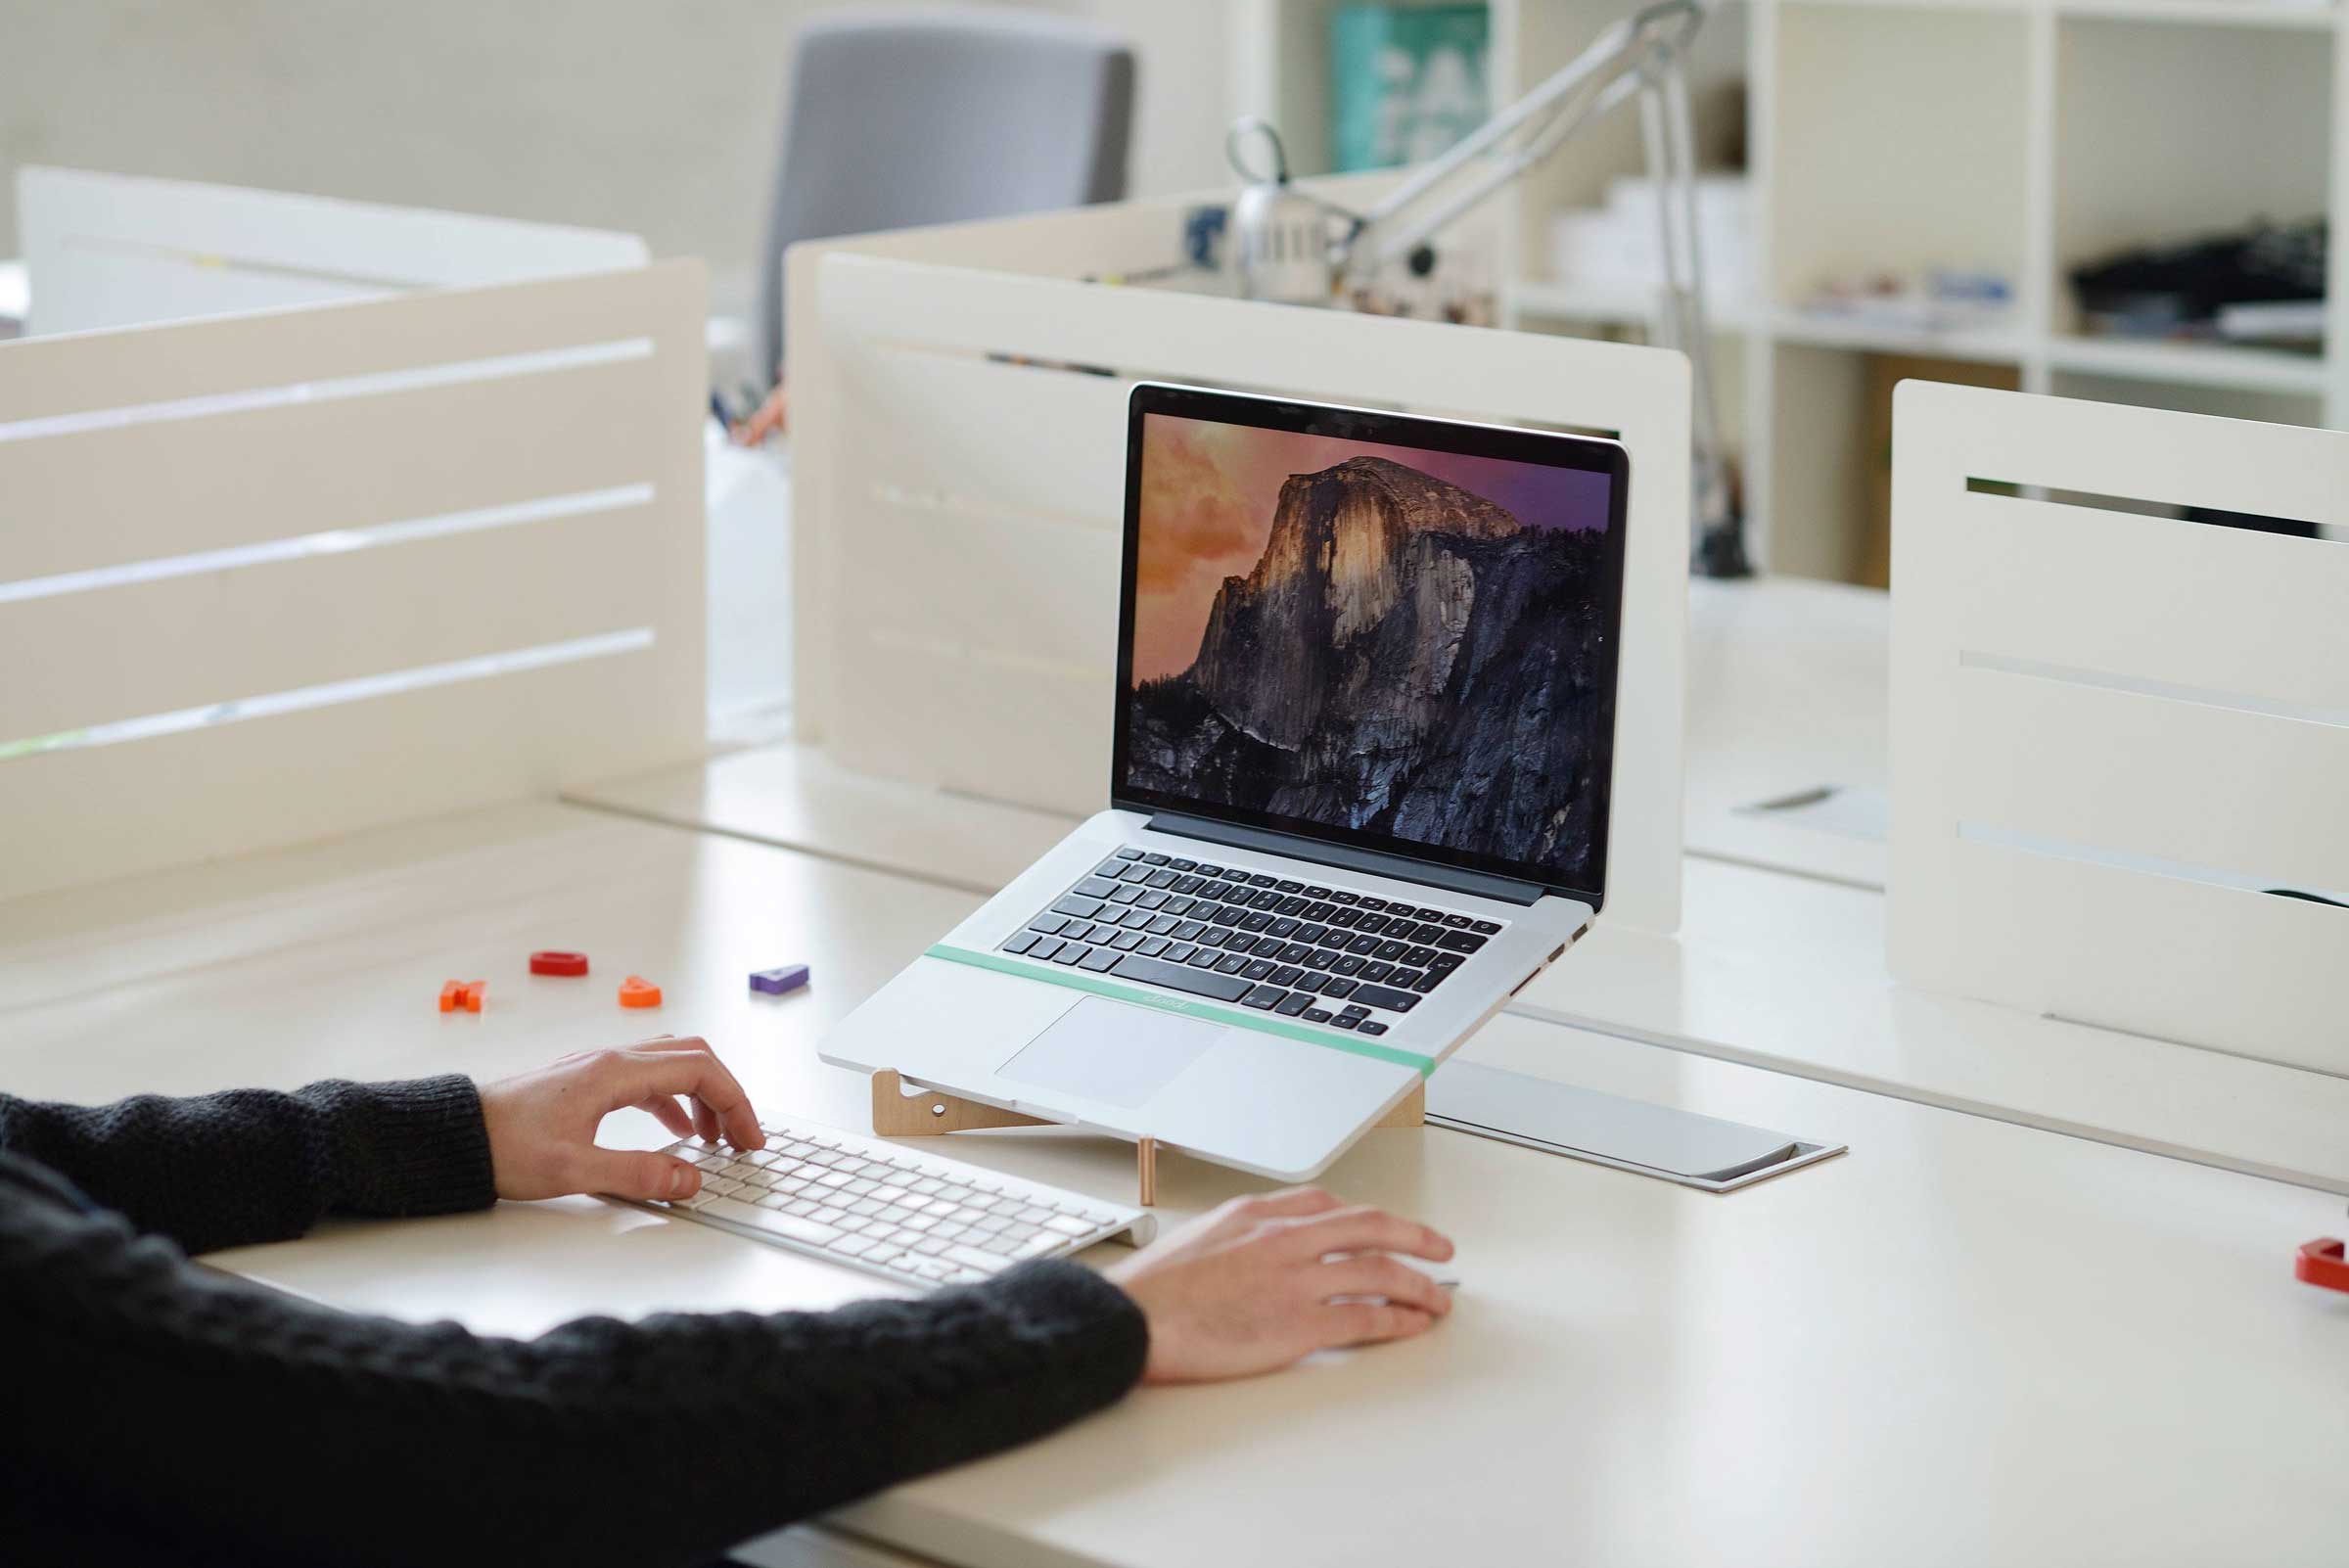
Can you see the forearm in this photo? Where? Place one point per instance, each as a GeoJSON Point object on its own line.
{"type": "Point", "coordinates": [665, 1442]}
{"type": "Point", "coordinates": [253, 1164]}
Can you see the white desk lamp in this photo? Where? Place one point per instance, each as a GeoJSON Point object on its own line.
{"type": "Point", "coordinates": [1287, 252]}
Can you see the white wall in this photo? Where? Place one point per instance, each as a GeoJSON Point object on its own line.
{"type": "Point", "coordinates": [658, 117]}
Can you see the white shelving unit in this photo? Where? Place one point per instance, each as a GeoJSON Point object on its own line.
{"type": "Point", "coordinates": [1887, 136]}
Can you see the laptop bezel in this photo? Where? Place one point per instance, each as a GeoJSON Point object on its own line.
{"type": "Point", "coordinates": [1558, 449]}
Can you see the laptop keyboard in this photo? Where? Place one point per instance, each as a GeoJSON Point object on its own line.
{"type": "Point", "coordinates": [1328, 956]}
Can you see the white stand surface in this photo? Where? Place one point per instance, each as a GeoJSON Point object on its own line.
{"type": "Point", "coordinates": [1963, 1342]}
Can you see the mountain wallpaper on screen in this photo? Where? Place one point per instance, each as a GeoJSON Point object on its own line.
{"type": "Point", "coordinates": [1406, 658]}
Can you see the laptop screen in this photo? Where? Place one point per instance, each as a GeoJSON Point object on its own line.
{"type": "Point", "coordinates": [1390, 632]}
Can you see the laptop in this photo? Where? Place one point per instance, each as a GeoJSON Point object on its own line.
{"type": "Point", "coordinates": [1358, 796]}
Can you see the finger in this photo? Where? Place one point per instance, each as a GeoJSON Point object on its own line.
{"type": "Point", "coordinates": [637, 1173]}
{"type": "Point", "coordinates": [669, 1114]}
{"type": "Point", "coordinates": [706, 1119]}
{"type": "Point", "coordinates": [1246, 1214]}
{"type": "Point", "coordinates": [1361, 1322]}
{"type": "Point", "coordinates": [688, 1067]}
{"type": "Point", "coordinates": [1362, 1230]}
{"type": "Point", "coordinates": [1375, 1274]}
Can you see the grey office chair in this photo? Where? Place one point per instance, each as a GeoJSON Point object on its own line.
{"type": "Point", "coordinates": [912, 118]}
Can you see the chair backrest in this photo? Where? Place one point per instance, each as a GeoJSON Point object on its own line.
{"type": "Point", "coordinates": [2120, 729]}
{"type": "Point", "coordinates": [123, 250]}
{"type": "Point", "coordinates": [273, 577]}
{"type": "Point", "coordinates": [919, 117]}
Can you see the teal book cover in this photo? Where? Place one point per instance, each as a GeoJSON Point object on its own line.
{"type": "Point", "coordinates": [1406, 82]}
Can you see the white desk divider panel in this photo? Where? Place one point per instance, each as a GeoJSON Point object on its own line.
{"type": "Point", "coordinates": [274, 576]}
{"type": "Point", "coordinates": [2118, 737]}
{"type": "Point", "coordinates": [118, 249]}
{"type": "Point", "coordinates": [960, 495]}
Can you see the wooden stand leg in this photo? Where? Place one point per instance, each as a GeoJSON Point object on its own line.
{"type": "Point", "coordinates": [1413, 1112]}
{"type": "Point", "coordinates": [896, 1115]}
{"type": "Point", "coordinates": [1145, 1159]}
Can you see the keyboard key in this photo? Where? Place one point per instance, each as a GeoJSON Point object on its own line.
{"type": "Point", "coordinates": [1257, 921]}
{"type": "Point", "coordinates": [1427, 982]}
{"type": "Point", "coordinates": [1462, 941]}
{"type": "Point", "coordinates": [1263, 998]}
{"type": "Point", "coordinates": [1316, 893]}
{"type": "Point", "coordinates": [1096, 888]}
{"type": "Point", "coordinates": [1180, 864]}
{"type": "Point", "coordinates": [1323, 957]}
{"type": "Point", "coordinates": [1188, 931]}
{"type": "Point", "coordinates": [1293, 1003]}
{"type": "Point", "coordinates": [1128, 941]}
{"type": "Point", "coordinates": [1207, 870]}
{"type": "Point", "coordinates": [1021, 943]}
{"type": "Point", "coordinates": [1285, 975]}
{"type": "Point", "coordinates": [1042, 951]}
{"type": "Point", "coordinates": [1393, 1001]}
{"type": "Point", "coordinates": [1486, 927]}
{"type": "Point", "coordinates": [1344, 1022]}
{"type": "Point", "coordinates": [1071, 953]}
{"type": "Point", "coordinates": [1374, 904]}
{"type": "Point", "coordinates": [1126, 894]}
{"type": "Point", "coordinates": [1078, 908]}
{"type": "Point", "coordinates": [1293, 904]}
{"type": "Point", "coordinates": [1162, 879]}
{"type": "Point", "coordinates": [1129, 853]}
{"type": "Point", "coordinates": [1157, 859]}
{"type": "Point", "coordinates": [1373, 973]}
{"type": "Point", "coordinates": [1369, 1026]}
{"type": "Point", "coordinates": [1099, 959]}
{"type": "Point", "coordinates": [1458, 922]}
{"type": "Point", "coordinates": [1317, 1015]}
{"type": "Point", "coordinates": [1151, 900]}
{"type": "Point", "coordinates": [1232, 963]}
{"type": "Point", "coordinates": [782, 1225]}
{"type": "Point", "coordinates": [1176, 977]}
{"type": "Point", "coordinates": [1341, 986]}
{"type": "Point", "coordinates": [1283, 929]}
{"type": "Point", "coordinates": [1178, 953]}
{"type": "Point", "coordinates": [1312, 980]}
{"type": "Point", "coordinates": [1204, 958]}
{"type": "Point", "coordinates": [1373, 923]}
{"type": "Point", "coordinates": [1354, 1010]}
{"type": "Point", "coordinates": [1391, 949]}
{"type": "Point", "coordinates": [1407, 980]}
{"type": "Point", "coordinates": [1258, 969]}
{"type": "Point", "coordinates": [1152, 946]}
{"type": "Point", "coordinates": [1260, 880]}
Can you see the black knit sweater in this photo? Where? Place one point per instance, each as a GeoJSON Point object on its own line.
{"type": "Point", "coordinates": [151, 1411]}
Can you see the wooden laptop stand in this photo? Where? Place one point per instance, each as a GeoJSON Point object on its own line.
{"type": "Point", "coordinates": [899, 1115]}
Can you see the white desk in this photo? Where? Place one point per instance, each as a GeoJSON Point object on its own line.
{"type": "Point", "coordinates": [1965, 1342]}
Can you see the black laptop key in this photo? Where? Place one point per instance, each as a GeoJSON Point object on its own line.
{"type": "Point", "coordinates": [1264, 999]}
{"type": "Point", "coordinates": [1393, 1001]}
{"type": "Point", "coordinates": [1157, 859]}
{"type": "Point", "coordinates": [1373, 973]}
{"type": "Point", "coordinates": [1183, 865]}
{"type": "Point", "coordinates": [1292, 904]}
{"type": "Point", "coordinates": [1232, 963]}
{"type": "Point", "coordinates": [1286, 975]}
{"type": "Point", "coordinates": [1374, 904]}
{"type": "Point", "coordinates": [1283, 929]}
{"type": "Point", "coordinates": [1369, 1026]}
{"type": "Point", "coordinates": [1136, 871]}
{"type": "Point", "coordinates": [1407, 980]}
{"type": "Point", "coordinates": [1295, 952]}
{"type": "Point", "coordinates": [1129, 854]}
{"type": "Point", "coordinates": [1098, 960]}
{"type": "Point", "coordinates": [1258, 969]}
{"type": "Point", "coordinates": [1458, 922]}
{"type": "Point", "coordinates": [1347, 898]}
{"type": "Point", "coordinates": [1345, 919]}
{"type": "Point", "coordinates": [1364, 946]}
{"type": "Point", "coordinates": [1022, 943]}
{"type": "Point", "coordinates": [1266, 946]}
{"type": "Point", "coordinates": [1290, 884]}
{"type": "Point", "coordinates": [1225, 915]}
{"type": "Point", "coordinates": [1163, 878]}
{"type": "Point", "coordinates": [1354, 1010]}
{"type": "Point", "coordinates": [1165, 925]}
{"type": "Point", "coordinates": [1256, 920]}
{"type": "Point", "coordinates": [1078, 908]}
{"type": "Point", "coordinates": [1347, 964]}
{"type": "Point", "coordinates": [1343, 1022]}
{"type": "Point", "coordinates": [1323, 957]}
{"type": "Point", "coordinates": [1151, 946]}
{"type": "Point", "coordinates": [1293, 1003]}
{"type": "Point", "coordinates": [1317, 1015]}
{"type": "Point", "coordinates": [1313, 936]}
{"type": "Point", "coordinates": [1189, 884]}
{"type": "Point", "coordinates": [1097, 886]}
{"type": "Point", "coordinates": [1392, 949]}
{"type": "Point", "coordinates": [1316, 893]}
{"type": "Point", "coordinates": [1204, 958]}
{"type": "Point", "coordinates": [1130, 941]}
{"type": "Point", "coordinates": [1485, 928]}
{"type": "Point", "coordinates": [1188, 930]}
{"type": "Point", "coordinates": [1260, 880]}
{"type": "Point", "coordinates": [1445, 962]}
{"type": "Point", "coordinates": [1427, 982]}
{"type": "Point", "coordinates": [1177, 953]}
{"type": "Point", "coordinates": [1071, 953]}
{"type": "Point", "coordinates": [1373, 922]}
{"type": "Point", "coordinates": [1126, 894]}
{"type": "Point", "coordinates": [1267, 900]}
{"type": "Point", "coordinates": [1462, 941]}
{"type": "Point", "coordinates": [1419, 957]}
{"type": "Point", "coordinates": [1322, 910]}
{"type": "Point", "coordinates": [1340, 985]}
{"type": "Point", "coordinates": [1312, 980]}
{"type": "Point", "coordinates": [1046, 925]}
{"type": "Point", "coordinates": [1151, 900]}
{"type": "Point", "coordinates": [1176, 977]}
{"type": "Point", "coordinates": [1180, 906]}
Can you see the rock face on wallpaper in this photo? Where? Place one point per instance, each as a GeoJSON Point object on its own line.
{"type": "Point", "coordinates": [1406, 658]}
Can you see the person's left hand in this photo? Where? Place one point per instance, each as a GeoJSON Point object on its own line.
{"type": "Point", "coordinates": [543, 1123]}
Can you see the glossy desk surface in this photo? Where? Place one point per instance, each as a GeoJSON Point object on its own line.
{"type": "Point", "coordinates": [1965, 1341]}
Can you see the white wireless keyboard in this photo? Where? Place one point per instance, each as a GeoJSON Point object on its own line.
{"type": "Point", "coordinates": [914, 1218]}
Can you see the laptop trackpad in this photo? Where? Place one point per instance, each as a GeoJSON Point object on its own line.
{"type": "Point", "coordinates": [1108, 1051]}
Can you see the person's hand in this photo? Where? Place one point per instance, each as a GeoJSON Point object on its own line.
{"type": "Point", "coordinates": [1262, 1283]}
{"type": "Point", "coordinates": [543, 1123]}
{"type": "Point", "coordinates": [772, 419]}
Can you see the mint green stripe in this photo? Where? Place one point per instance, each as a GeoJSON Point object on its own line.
{"type": "Point", "coordinates": [1188, 1006]}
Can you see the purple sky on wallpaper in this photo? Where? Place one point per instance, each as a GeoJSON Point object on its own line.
{"type": "Point", "coordinates": [1208, 493]}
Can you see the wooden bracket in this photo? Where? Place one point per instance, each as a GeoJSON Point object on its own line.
{"type": "Point", "coordinates": [899, 1115]}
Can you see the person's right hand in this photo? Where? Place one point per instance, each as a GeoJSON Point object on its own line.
{"type": "Point", "coordinates": [1264, 1281]}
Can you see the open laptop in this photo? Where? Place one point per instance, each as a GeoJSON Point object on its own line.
{"type": "Point", "coordinates": [1364, 743]}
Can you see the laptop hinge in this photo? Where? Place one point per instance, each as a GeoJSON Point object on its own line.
{"type": "Point", "coordinates": [1475, 884]}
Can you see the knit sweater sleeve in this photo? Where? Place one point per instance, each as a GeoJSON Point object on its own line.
{"type": "Point", "coordinates": [173, 1404]}
{"type": "Point", "coordinates": [251, 1166]}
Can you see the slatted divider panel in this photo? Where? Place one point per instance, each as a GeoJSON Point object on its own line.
{"type": "Point", "coordinates": [278, 575]}
{"type": "Point", "coordinates": [2120, 740]}
{"type": "Point", "coordinates": [959, 483]}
